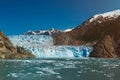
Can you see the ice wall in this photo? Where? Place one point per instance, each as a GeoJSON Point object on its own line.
{"type": "Point", "coordinates": [42, 47]}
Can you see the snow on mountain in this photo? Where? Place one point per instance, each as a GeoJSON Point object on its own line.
{"type": "Point", "coordinates": [46, 32]}
{"type": "Point", "coordinates": [42, 47]}
{"type": "Point", "coordinates": [42, 32]}
{"type": "Point", "coordinates": [67, 30]}
{"type": "Point", "coordinates": [108, 15]}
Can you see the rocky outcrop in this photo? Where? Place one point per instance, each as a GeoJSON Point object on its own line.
{"type": "Point", "coordinates": [8, 50]}
{"type": "Point", "coordinates": [22, 53]}
{"type": "Point", "coordinates": [105, 48]}
{"type": "Point", "coordinates": [109, 45]}
{"type": "Point", "coordinates": [6, 45]}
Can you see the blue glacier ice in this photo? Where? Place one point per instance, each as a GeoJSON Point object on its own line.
{"type": "Point", "coordinates": [42, 47]}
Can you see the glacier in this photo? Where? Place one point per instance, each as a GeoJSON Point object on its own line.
{"type": "Point", "coordinates": [42, 47]}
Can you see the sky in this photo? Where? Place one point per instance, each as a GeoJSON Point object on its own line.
{"type": "Point", "coordinates": [19, 16]}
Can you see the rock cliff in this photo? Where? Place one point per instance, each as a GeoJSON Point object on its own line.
{"type": "Point", "coordinates": [8, 50]}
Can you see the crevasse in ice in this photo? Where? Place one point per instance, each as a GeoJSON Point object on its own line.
{"type": "Point", "coordinates": [42, 47]}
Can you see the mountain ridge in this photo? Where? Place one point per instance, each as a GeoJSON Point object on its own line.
{"type": "Point", "coordinates": [79, 34]}
{"type": "Point", "coordinates": [42, 32]}
{"type": "Point", "coordinates": [92, 32]}
{"type": "Point", "coordinates": [51, 31]}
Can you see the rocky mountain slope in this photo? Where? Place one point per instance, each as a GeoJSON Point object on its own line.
{"type": "Point", "coordinates": [8, 50]}
{"type": "Point", "coordinates": [101, 31]}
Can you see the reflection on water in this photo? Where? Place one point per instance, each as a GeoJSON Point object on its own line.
{"type": "Point", "coordinates": [60, 69]}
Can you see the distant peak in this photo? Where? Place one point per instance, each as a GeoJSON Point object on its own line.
{"type": "Point", "coordinates": [42, 32]}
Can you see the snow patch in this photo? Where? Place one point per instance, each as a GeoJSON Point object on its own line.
{"type": "Point", "coordinates": [67, 30]}
{"type": "Point", "coordinates": [112, 14]}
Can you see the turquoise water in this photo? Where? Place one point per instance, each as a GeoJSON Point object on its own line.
{"type": "Point", "coordinates": [60, 69]}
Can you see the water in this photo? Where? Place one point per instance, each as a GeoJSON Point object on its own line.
{"type": "Point", "coordinates": [60, 69]}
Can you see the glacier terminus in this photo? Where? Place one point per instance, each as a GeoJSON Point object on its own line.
{"type": "Point", "coordinates": [42, 47]}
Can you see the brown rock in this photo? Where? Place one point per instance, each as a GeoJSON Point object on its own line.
{"type": "Point", "coordinates": [6, 45]}
{"type": "Point", "coordinates": [104, 48]}
{"type": "Point", "coordinates": [8, 50]}
{"type": "Point", "coordinates": [20, 56]}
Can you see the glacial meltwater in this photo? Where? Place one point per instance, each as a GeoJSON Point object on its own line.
{"type": "Point", "coordinates": [60, 69]}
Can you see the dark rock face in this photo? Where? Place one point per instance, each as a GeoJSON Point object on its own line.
{"type": "Point", "coordinates": [104, 48]}
{"type": "Point", "coordinates": [8, 50]}
{"type": "Point", "coordinates": [109, 45]}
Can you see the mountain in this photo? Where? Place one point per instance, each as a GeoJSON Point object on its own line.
{"type": "Point", "coordinates": [8, 50]}
{"type": "Point", "coordinates": [51, 31]}
{"type": "Point", "coordinates": [101, 31]}
{"type": "Point", "coordinates": [43, 32]}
